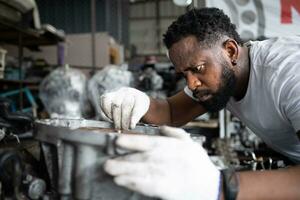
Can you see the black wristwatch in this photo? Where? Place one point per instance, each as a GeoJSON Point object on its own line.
{"type": "Point", "coordinates": [230, 184]}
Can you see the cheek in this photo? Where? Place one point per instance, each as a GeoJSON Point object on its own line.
{"type": "Point", "coordinates": [213, 80]}
{"type": "Point", "coordinates": [215, 84]}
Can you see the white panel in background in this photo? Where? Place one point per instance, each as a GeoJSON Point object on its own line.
{"type": "Point", "coordinates": [261, 18]}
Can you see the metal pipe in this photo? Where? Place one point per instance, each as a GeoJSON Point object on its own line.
{"type": "Point", "coordinates": [222, 129]}
{"type": "Point", "coordinates": [120, 17]}
{"type": "Point", "coordinates": [93, 32]}
{"type": "Point", "coordinates": [195, 3]}
{"type": "Point", "coordinates": [157, 20]}
{"type": "Point", "coordinates": [86, 158]}
{"type": "Point", "coordinates": [20, 46]}
{"type": "Point", "coordinates": [65, 178]}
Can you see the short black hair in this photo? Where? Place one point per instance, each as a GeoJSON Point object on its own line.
{"type": "Point", "coordinates": [208, 25]}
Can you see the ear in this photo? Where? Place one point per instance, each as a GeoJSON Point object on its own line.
{"type": "Point", "coordinates": [232, 50]}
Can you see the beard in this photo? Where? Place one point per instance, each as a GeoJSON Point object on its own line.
{"type": "Point", "coordinates": [220, 98]}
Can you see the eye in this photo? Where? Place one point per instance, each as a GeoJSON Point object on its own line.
{"type": "Point", "coordinates": [200, 68]}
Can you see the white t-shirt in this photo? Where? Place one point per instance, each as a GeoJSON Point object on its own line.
{"type": "Point", "coordinates": [271, 106]}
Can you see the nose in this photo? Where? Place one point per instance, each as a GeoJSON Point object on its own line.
{"type": "Point", "coordinates": [192, 81]}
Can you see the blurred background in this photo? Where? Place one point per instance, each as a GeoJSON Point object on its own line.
{"type": "Point", "coordinates": [57, 57]}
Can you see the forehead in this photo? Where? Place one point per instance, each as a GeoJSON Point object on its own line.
{"type": "Point", "coordinates": [188, 52]}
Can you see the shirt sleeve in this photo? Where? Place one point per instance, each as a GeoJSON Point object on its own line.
{"type": "Point", "coordinates": [292, 105]}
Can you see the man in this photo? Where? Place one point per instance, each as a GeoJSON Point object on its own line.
{"type": "Point", "coordinates": [258, 82]}
{"type": "Point", "coordinates": [150, 80]}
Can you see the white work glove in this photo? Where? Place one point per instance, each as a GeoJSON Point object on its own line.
{"type": "Point", "coordinates": [125, 106]}
{"type": "Point", "coordinates": [172, 168]}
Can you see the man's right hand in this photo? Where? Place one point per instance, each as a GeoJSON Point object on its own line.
{"type": "Point", "coordinates": [125, 106]}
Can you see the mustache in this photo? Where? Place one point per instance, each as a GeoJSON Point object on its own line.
{"type": "Point", "coordinates": [198, 93]}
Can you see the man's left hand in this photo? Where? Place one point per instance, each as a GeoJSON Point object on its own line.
{"type": "Point", "coordinates": [172, 167]}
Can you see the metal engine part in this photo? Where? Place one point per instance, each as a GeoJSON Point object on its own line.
{"type": "Point", "coordinates": [75, 151]}
{"type": "Point", "coordinates": [18, 179]}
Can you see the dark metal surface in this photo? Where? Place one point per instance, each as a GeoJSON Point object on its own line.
{"type": "Point", "coordinates": [82, 131]}
{"type": "Point", "coordinates": [82, 148]}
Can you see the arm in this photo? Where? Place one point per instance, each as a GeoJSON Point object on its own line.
{"type": "Point", "coordinates": [154, 171]}
{"type": "Point", "coordinates": [274, 184]}
{"type": "Point", "coordinates": [127, 106]}
{"type": "Point", "coordinates": [176, 110]}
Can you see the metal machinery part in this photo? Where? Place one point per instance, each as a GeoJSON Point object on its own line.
{"type": "Point", "coordinates": [75, 150]}
{"type": "Point", "coordinates": [36, 187]}
{"type": "Point", "coordinates": [18, 179]}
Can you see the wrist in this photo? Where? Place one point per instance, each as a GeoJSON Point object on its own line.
{"type": "Point", "coordinates": [230, 184]}
{"type": "Point", "coordinates": [221, 193]}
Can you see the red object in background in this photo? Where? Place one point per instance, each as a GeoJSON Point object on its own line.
{"type": "Point", "coordinates": [150, 60]}
{"type": "Point", "coordinates": [286, 10]}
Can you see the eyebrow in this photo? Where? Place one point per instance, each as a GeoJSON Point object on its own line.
{"type": "Point", "coordinates": [187, 69]}
{"type": "Point", "coordinates": [191, 67]}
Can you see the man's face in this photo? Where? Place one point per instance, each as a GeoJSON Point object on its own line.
{"type": "Point", "coordinates": [207, 72]}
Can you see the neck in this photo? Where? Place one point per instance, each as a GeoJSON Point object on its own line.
{"type": "Point", "coordinates": [242, 74]}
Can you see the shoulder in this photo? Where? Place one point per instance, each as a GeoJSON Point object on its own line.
{"type": "Point", "coordinates": [276, 62]}
{"type": "Point", "coordinates": [275, 69]}
{"type": "Point", "coordinates": [274, 50]}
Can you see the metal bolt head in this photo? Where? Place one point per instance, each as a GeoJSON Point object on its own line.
{"type": "Point", "coordinates": [37, 189]}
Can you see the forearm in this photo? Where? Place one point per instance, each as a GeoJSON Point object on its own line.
{"type": "Point", "coordinates": [158, 113]}
{"type": "Point", "coordinates": [274, 184]}
{"type": "Point", "coordinates": [175, 111]}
